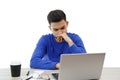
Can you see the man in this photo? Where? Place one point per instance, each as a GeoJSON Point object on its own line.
{"type": "Point", "coordinates": [50, 46]}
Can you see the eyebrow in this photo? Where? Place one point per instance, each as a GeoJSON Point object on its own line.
{"type": "Point", "coordinates": [60, 28]}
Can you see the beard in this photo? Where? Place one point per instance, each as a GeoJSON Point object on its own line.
{"type": "Point", "coordinates": [59, 39]}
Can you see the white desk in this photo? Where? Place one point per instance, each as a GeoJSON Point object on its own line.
{"type": "Point", "coordinates": [107, 74]}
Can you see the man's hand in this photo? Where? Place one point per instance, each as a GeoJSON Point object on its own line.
{"type": "Point", "coordinates": [57, 65]}
{"type": "Point", "coordinates": [66, 38]}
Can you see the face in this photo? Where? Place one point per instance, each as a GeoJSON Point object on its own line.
{"type": "Point", "coordinates": [59, 27]}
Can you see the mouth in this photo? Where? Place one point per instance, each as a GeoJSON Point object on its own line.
{"type": "Point", "coordinates": [59, 39]}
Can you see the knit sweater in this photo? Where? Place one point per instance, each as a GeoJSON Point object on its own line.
{"type": "Point", "coordinates": [47, 52]}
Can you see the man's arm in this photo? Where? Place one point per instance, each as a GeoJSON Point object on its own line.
{"type": "Point", "coordinates": [37, 60]}
{"type": "Point", "coordinates": [75, 43]}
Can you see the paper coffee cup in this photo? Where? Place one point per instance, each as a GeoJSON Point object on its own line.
{"type": "Point", "coordinates": [15, 68]}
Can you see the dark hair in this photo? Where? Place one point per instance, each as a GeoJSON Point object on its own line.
{"type": "Point", "coordinates": [56, 16]}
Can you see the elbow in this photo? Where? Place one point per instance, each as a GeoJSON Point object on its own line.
{"type": "Point", "coordinates": [32, 64]}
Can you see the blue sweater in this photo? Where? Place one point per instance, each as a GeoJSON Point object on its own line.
{"type": "Point", "coordinates": [47, 52]}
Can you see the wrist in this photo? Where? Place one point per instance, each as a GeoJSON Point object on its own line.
{"type": "Point", "coordinates": [70, 43]}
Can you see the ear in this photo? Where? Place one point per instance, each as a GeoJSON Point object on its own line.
{"type": "Point", "coordinates": [49, 27]}
{"type": "Point", "coordinates": [67, 23]}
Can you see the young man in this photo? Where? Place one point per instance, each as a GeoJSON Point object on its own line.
{"type": "Point", "coordinates": [50, 46]}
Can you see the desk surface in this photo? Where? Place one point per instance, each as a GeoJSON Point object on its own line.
{"type": "Point", "coordinates": [107, 73]}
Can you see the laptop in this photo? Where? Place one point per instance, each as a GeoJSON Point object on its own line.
{"type": "Point", "coordinates": [81, 66]}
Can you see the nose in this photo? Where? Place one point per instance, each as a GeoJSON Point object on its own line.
{"type": "Point", "coordinates": [60, 31]}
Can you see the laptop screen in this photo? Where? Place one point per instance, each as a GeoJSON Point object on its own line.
{"type": "Point", "coordinates": [81, 66]}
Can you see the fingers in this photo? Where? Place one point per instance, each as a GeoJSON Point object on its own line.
{"type": "Point", "coordinates": [61, 37]}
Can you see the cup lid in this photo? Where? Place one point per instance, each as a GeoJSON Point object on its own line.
{"type": "Point", "coordinates": [15, 63]}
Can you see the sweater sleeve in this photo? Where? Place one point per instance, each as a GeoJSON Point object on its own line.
{"type": "Point", "coordinates": [78, 46]}
{"type": "Point", "coordinates": [37, 59]}
{"type": "Point", "coordinates": [77, 49]}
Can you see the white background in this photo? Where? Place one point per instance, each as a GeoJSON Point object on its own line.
{"type": "Point", "coordinates": [22, 22]}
